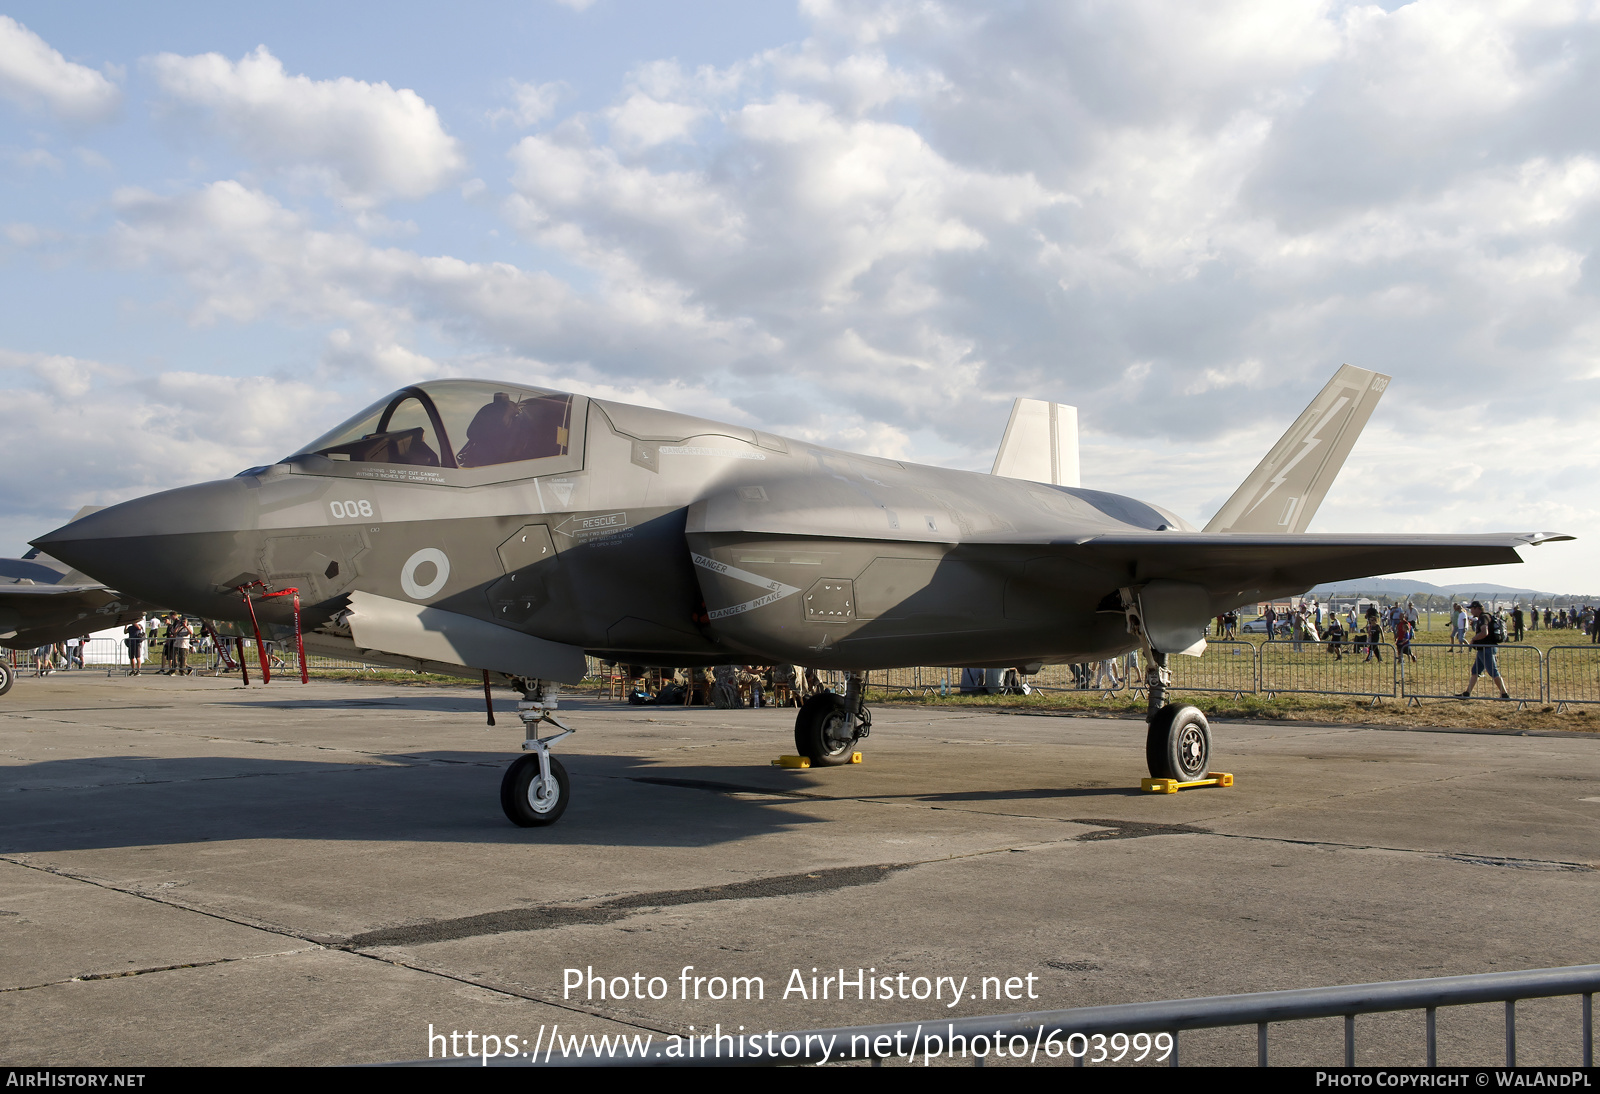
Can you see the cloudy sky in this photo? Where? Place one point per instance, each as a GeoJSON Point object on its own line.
{"type": "Point", "coordinates": [867, 224]}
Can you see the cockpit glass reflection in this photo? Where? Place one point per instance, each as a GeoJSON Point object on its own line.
{"type": "Point", "coordinates": [454, 423]}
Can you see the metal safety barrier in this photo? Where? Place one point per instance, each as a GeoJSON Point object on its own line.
{"type": "Point", "coordinates": [1232, 668]}
{"type": "Point", "coordinates": [1436, 672]}
{"type": "Point", "coordinates": [1105, 678]}
{"type": "Point", "coordinates": [110, 656]}
{"type": "Point", "coordinates": [1328, 668]}
{"type": "Point", "coordinates": [1572, 675]}
{"type": "Point", "coordinates": [905, 680]}
{"type": "Point", "coordinates": [1065, 1036]}
{"type": "Point", "coordinates": [1564, 675]}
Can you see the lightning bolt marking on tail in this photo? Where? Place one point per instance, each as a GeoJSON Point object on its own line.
{"type": "Point", "coordinates": [1307, 447]}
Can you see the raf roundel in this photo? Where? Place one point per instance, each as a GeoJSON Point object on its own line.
{"type": "Point", "coordinates": [408, 573]}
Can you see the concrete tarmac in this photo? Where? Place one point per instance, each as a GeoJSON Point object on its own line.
{"type": "Point", "coordinates": [193, 873]}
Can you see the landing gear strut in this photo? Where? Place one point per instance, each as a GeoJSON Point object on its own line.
{"type": "Point", "coordinates": [1178, 742]}
{"type": "Point", "coordinates": [829, 724]}
{"type": "Point", "coordinates": [536, 789]}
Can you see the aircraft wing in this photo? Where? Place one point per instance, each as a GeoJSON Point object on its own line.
{"type": "Point", "coordinates": [33, 615]}
{"type": "Point", "coordinates": [1225, 563]}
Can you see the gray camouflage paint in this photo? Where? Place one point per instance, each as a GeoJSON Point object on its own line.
{"type": "Point", "coordinates": [671, 540]}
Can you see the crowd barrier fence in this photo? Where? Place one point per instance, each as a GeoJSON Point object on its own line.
{"type": "Point", "coordinates": [1327, 668]}
{"type": "Point", "coordinates": [1572, 675]}
{"type": "Point", "coordinates": [1232, 668]}
{"type": "Point", "coordinates": [1561, 675]}
{"type": "Point", "coordinates": [1440, 672]}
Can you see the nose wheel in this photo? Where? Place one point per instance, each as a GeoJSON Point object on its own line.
{"type": "Point", "coordinates": [536, 789]}
{"type": "Point", "coordinates": [7, 677]}
{"type": "Point", "coordinates": [529, 798]}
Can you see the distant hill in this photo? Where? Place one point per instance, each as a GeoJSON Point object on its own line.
{"type": "Point", "coordinates": [1393, 586]}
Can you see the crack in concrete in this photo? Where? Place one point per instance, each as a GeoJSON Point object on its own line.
{"type": "Point", "coordinates": [1424, 852]}
{"type": "Point", "coordinates": [122, 973]}
{"type": "Point", "coordinates": [315, 944]}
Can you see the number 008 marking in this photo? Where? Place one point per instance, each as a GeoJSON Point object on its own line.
{"type": "Point", "coordinates": [345, 510]}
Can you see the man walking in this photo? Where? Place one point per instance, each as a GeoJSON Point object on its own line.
{"type": "Point", "coordinates": [1487, 634]}
{"type": "Point", "coordinates": [1517, 630]}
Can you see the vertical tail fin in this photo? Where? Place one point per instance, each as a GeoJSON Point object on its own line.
{"type": "Point", "coordinates": [1283, 492]}
{"type": "Point", "coordinates": [1040, 443]}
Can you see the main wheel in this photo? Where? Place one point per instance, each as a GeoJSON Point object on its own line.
{"type": "Point", "coordinates": [1179, 744]}
{"type": "Point", "coordinates": [520, 793]}
{"type": "Point", "coordinates": [7, 677]}
{"type": "Point", "coordinates": [822, 730]}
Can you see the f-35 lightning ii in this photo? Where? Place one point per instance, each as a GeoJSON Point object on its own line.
{"type": "Point", "coordinates": [468, 526]}
{"type": "Point", "coordinates": [43, 601]}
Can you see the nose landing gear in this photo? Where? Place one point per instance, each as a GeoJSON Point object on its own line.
{"type": "Point", "coordinates": [536, 788]}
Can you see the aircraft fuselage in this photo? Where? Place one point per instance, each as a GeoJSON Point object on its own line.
{"type": "Point", "coordinates": [661, 539]}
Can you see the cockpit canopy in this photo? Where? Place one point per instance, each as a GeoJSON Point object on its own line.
{"type": "Point", "coordinates": [453, 424]}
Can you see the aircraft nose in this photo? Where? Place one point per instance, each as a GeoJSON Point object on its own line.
{"type": "Point", "coordinates": [172, 549]}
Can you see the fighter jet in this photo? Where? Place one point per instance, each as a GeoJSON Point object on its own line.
{"type": "Point", "coordinates": [43, 600]}
{"type": "Point", "coordinates": [469, 526]}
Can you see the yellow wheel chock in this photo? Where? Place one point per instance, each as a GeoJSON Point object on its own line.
{"type": "Point", "coordinates": [1172, 786]}
{"type": "Point", "coordinates": [804, 762]}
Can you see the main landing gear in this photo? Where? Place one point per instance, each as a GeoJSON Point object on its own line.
{"type": "Point", "coordinates": [536, 789]}
{"type": "Point", "coordinates": [1178, 742]}
{"type": "Point", "coordinates": [6, 677]}
{"type": "Point", "coordinates": [829, 724]}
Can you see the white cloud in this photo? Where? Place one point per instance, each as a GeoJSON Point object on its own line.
{"type": "Point", "coordinates": [530, 103]}
{"type": "Point", "coordinates": [30, 159]}
{"type": "Point", "coordinates": [1180, 220]}
{"type": "Point", "coordinates": [643, 122]}
{"type": "Point", "coordinates": [33, 75]}
{"type": "Point", "coordinates": [104, 433]}
{"type": "Point", "coordinates": [377, 358]}
{"type": "Point", "coordinates": [365, 142]}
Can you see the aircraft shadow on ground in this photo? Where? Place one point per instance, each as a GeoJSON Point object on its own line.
{"type": "Point", "coordinates": [825, 784]}
{"type": "Point", "coordinates": [452, 704]}
{"type": "Point", "coordinates": [438, 797]}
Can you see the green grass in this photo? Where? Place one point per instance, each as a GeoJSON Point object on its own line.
{"type": "Point", "coordinates": [1443, 713]}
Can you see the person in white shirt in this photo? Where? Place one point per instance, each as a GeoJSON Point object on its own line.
{"type": "Point", "coordinates": [1458, 627]}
